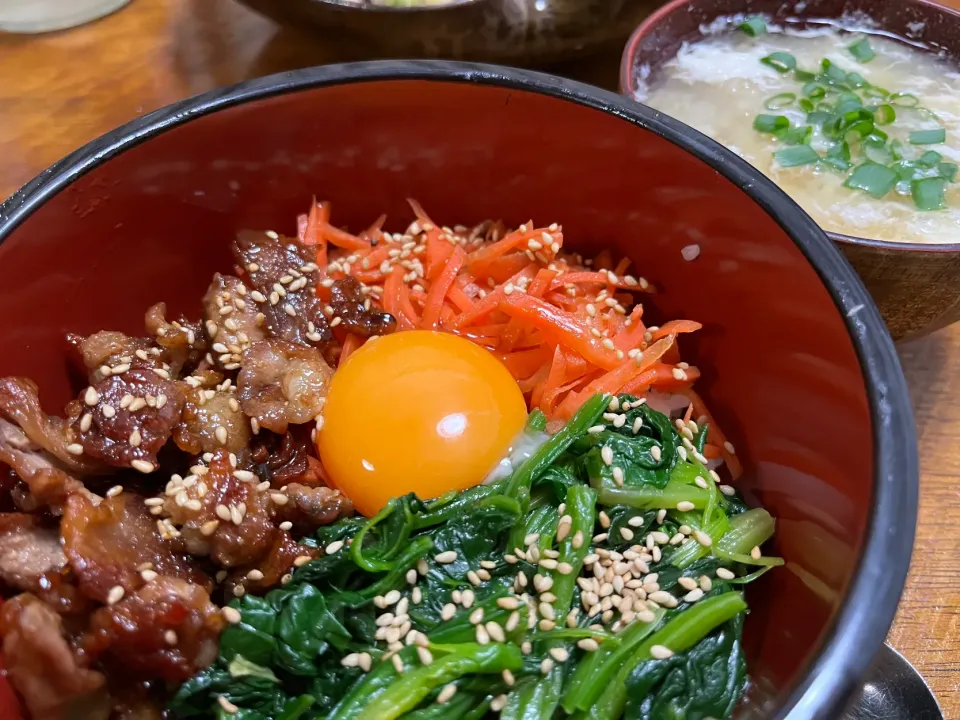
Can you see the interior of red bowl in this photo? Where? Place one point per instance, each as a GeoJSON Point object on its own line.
{"type": "Point", "coordinates": [779, 367]}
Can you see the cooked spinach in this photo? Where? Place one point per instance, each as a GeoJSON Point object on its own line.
{"type": "Point", "coordinates": [585, 584]}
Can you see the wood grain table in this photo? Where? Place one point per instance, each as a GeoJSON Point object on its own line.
{"type": "Point", "coordinates": [61, 90]}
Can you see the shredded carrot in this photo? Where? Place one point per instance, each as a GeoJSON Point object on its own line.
{"type": "Point", "coordinates": [350, 344]}
{"type": "Point", "coordinates": [563, 327]}
{"type": "Point", "coordinates": [438, 291]}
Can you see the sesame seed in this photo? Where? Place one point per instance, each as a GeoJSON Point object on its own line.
{"type": "Point", "coordinates": [221, 434]}
{"type": "Point", "coordinates": [495, 632]}
{"type": "Point", "coordinates": [685, 506]}
{"type": "Point", "coordinates": [699, 481]}
{"type": "Point", "coordinates": [483, 637]}
{"type": "Point", "coordinates": [755, 553]}
{"type": "Point", "coordinates": [304, 559]}
{"type": "Point", "coordinates": [596, 429]}
{"type": "Point", "coordinates": [449, 610]}
{"type": "Point", "coordinates": [115, 595]}
{"type": "Point", "coordinates": [546, 666]}
{"type": "Point", "coordinates": [564, 568]}
{"type": "Point", "coordinates": [334, 547]}
{"type": "Point", "coordinates": [446, 694]}
{"type": "Point", "coordinates": [91, 397]}
{"type": "Point", "coordinates": [467, 598]}
{"type": "Point", "coordinates": [397, 664]}
{"type": "Point", "coordinates": [227, 706]}
{"type": "Point", "coordinates": [142, 466]}
{"type": "Point", "coordinates": [655, 453]}
{"type": "Point", "coordinates": [687, 583]}
{"type": "Point", "coordinates": [473, 578]}
{"type": "Point", "coordinates": [701, 537]}
{"type": "Point", "coordinates": [445, 558]}
{"type": "Point", "coordinates": [508, 602]}
{"type": "Point", "coordinates": [618, 476]}
{"type": "Point", "coordinates": [279, 498]}
{"type": "Point", "coordinates": [223, 512]}
{"type": "Point", "coordinates": [660, 652]}
{"type": "Point", "coordinates": [606, 452]}
{"type": "Point", "coordinates": [626, 533]}
{"type": "Point", "coordinates": [559, 654]}
{"type": "Point", "coordinates": [75, 449]}
{"type": "Point", "coordinates": [148, 575]}
{"type": "Point", "coordinates": [425, 655]}
{"type": "Point", "coordinates": [548, 563]}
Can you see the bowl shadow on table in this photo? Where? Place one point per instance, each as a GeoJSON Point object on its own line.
{"type": "Point", "coordinates": [926, 366]}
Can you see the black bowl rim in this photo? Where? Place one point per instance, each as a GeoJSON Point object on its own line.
{"type": "Point", "coordinates": [653, 21]}
{"type": "Point", "coordinates": [824, 688]}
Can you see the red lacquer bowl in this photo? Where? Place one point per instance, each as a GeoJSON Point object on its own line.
{"type": "Point", "coordinates": [916, 286]}
{"type": "Point", "coordinates": [796, 360]}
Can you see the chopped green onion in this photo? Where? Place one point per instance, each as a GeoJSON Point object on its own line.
{"type": "Point", "coordinates": [928, 193]}
{"type": "Point", "coordinates": [814, 90]}
{"type": "Point", "coordinates": [948, 171]}
{"type": "Point", "coordinates": [872, 91]}
{"type": "Point", "coordinates": [873, 178]}
{"type": "Point", "coordinates": [904, 99]}
{"type": "Point", "coordinates": [906, 171]}
{"type": "Point", "coordinates": [780, 61]}
{"type": "Point", "coordinates": [848, 105]}
{"type": "Point", "coordinates": [833, 73]}
{"type": "Point", "coordinates": [896, 147]}
{"type": "Point", "coordinates": [803, 75]}
{"type": "Point", "coordinates": [878, 153]}
{"type": "Point", "coordinates": [884, 114]}
{"type": "Point", "coordinates": [796, 136]}
{"type": "Point", "coordinates": [929, 159]}
{"type": "Point", "coordinates": [796, 155]}
{"type": "Point", "coordinates": [753, 26]}
{"type": "Point", "coordinates": [770, 123]}
{"type": "Point", "coordinates": [877, 138]}
{"type": "Point", "coordinates": [838, 157]}
{"type": "Point", "coordinates": [857, 80]}
{"type": "Point", "coordinates": [862, 51]}
{"type": "Point", "coordinates": [927, 137]}
{"type": "Point", "coordinates": [780, 101]}
{"type": "Point", "coordinates": [818, 117]}
{"type": "Point", "coordinates": [805, 105]}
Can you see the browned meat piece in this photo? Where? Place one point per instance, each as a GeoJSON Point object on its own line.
{"type": "Point", "coordinates": [282, 460]}
{"type": "Point", "coordinates": [181, 342]}
{"type": "Point", "coordinates": [222, 512]}
{"type": "Point", "coordinates": [108, 349]}
{"type": "Point", "coordinates": [166, 630]}
{"type": "Point", "coordinates": [233, 319]}
{"type": "Point", "coordinates": [353, 308]}
{"type": "Point", "coordinates": [211, 419]}
{"type": "Point", "coordinates": [20, 404]}
{"type": "Point", "coordinates": [310, 507]}
{"type": "Point", "coordinates": [27, 551]}
{"type": "Point", "coordinates": [109, 544]}
{"type": "Point", "coordinates": [124, 419]}
{"type": "Point", "coordinates": [44, 483]}
{"type": "Point", "coordinates": [284, 275]}
{"type": "Point", "coordinates": [270, 571]}
{"type": "Point", "coordinates": [43, 667]}
{"type": "Point", "coordinates": [283, 384]}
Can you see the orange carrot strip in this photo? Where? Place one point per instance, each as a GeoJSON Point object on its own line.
{"type": "Point", "coordinates": [632, 337]}
{"type": "Point", "coordinates": [341, 238]}
{"type": "Point", "coordinates": [490, 303]}
{"type": "Point", "coordinates": [541, 282]}
{"type": "Point", "coordinates": [559, 326]}
{"type": "Point", "coordinates": [715, 434]}
{"type": "Point", "coordinates": [528, 384]}
{"type": "Point", "coordinates": [617, 378]}
{"type": "Point", "coordinates": [374, 232]}
{"type": "Point", "coordinates": [406, 305]}
{"type": "Point", "coordinates": [319, 213]}
{"type": "Point", "coordinates": [622, 266]}
{"type": "Point", "coordinates": [439, 251]}
{"type": "Point", "coordinates": [581, 278]}
{"type": "Point", "coordinates": [439, 289]}
{"type": "Point", "coordinates": [661, 377]}
{"type": "Point", "coordinates": [392, 299]}
{"type": "Point", "coordinates": [558, 369]}
{"type": "Point", "coordinates": [676, 327]}
{"type": "Point", "coordinates": [525, 363]}
{"type": "Point", "coordinates": [351, 343]}
{"type": "Point", "coordinates": [459, 297]}
{"type": "Point", "coordinates": [480, 259]}
{"type": "Point", "coordinates": [712, 452]}
{"type": "Point", "coordinates": [502, 269]}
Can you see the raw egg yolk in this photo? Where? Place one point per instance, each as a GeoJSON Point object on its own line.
{"type": "Point", "coordinates": [418, 411]}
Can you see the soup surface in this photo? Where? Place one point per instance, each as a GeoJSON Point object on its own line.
{"type": "Point", "coordinates": [720, 84]}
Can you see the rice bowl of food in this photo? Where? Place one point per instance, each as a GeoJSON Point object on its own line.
{"type": "Point", "coordinates": [300, 450]}
{"type": "Point", "coordinates": [849, 107]}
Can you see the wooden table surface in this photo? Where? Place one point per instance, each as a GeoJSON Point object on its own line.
{"type": "Point", "coordinates": [60, 90]}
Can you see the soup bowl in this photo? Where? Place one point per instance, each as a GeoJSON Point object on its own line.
{"type": "Point", "coordinates": [795, 358]}
{"type": "Point", "coordinates": [519, 32]}
{"type": "Point", "coordinates": [915, 285]}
